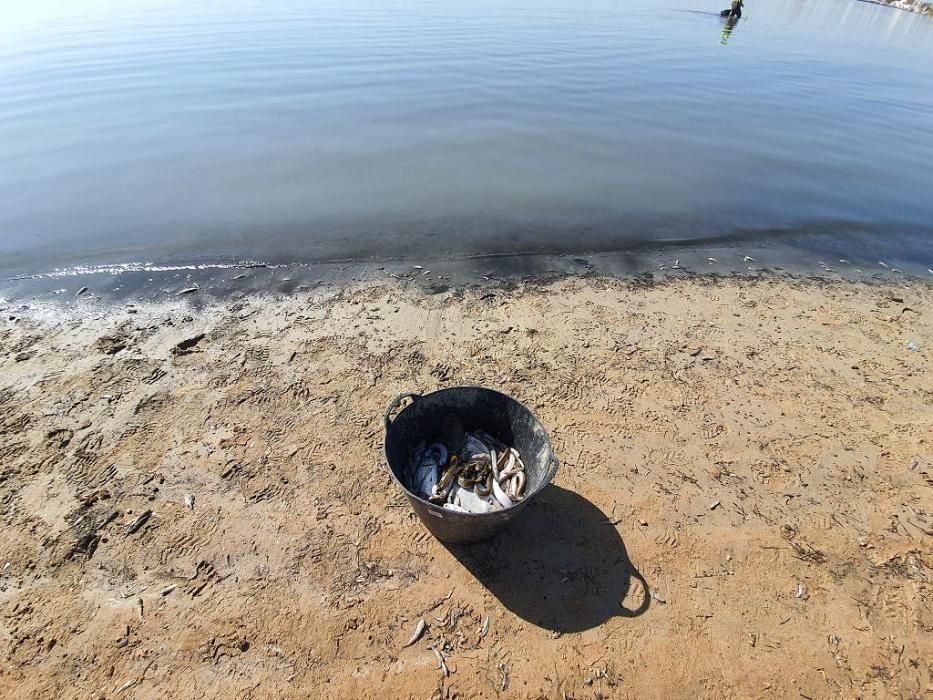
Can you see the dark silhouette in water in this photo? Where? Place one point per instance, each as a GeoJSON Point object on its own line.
{"type": "Point", "coordinates": [734, 12]}
{"type": "Point", "coordinates": [731, 23]}
{"type": "Point", "coordinates": [732, 15]}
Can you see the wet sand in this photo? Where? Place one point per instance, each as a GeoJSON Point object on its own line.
{"type": "Point", "coordinates": [745, 505]}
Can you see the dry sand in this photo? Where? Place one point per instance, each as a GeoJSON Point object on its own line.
{"type": "Point", "coordinates": [745, 507]}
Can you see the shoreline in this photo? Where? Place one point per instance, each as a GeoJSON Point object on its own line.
{"type": "Point", "coordinates": [747, 472]}
{"type": "Point", "coordinates": [916, 6]}
{"type": "Point", "coordinates": [224, 278]}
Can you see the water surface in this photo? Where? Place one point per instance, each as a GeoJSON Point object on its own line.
{"type": "Point", "coordinates": [285, 130]}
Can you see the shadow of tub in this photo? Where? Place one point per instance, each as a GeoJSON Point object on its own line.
{"type": "Point", "coordinates": [560, 566]}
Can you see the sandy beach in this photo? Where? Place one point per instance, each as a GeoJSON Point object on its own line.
{"type": "Point", "coordinates": [194, 502]}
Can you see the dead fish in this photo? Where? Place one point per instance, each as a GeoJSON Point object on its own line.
{"type": "Point", "coordinates": [81, 291]}
{"type": "Point", "coordinates": [749, 258]}
{"type": "Point", "coordinates": [712, 260]}
{"type": "Point", "coordinates": [517, 486]}
{"type": "Point", "coordinates": [882, 263]}
{"type": "Point", "coordinates": [419, 630]}
{"type": "Point", "coordinates": [129, 684]}
{"type": "Point", "coordinates": [441, 664]}
{"type": "Point", "coordinates": [189, 290]}
{"type": "Point", "coordinates": [500, 494]}
{"type": "Point", "coordinates": [484, 630]}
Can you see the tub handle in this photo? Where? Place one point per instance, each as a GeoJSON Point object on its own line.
{"type": "Point", "coordinates": [552, 465]}
{"type": "Point", "coordinates": [394, 404]}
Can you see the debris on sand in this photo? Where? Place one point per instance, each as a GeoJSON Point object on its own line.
{"type": "Point", "coordinates": [648, 438]}
{"type": "Point", "coordinates": [416, 635]}
{"type": "Point", "coordinates": [138, 523]}
{"type": "Point", "coordinates": [441, 662]}
{"type": "Point", "coordinates": [111, 345]}
{"type": "Point", "coordinates": [186, 346]}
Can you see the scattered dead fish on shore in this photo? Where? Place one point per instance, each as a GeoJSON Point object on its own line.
{"type": "Point", "coordinates": [419, 630]}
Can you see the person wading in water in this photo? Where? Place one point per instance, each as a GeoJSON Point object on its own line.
{"type": "Point", "coordinates": [735, 11]}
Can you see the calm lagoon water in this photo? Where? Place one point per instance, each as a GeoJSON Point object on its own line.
{"type": "Point", "coordinates": [286, 130]}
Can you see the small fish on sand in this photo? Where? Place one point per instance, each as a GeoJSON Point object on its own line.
{"type": "Point", "coordinates": [416, 635]}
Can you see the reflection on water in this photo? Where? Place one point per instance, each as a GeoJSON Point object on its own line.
{"type": "Point", "coordinates": [282, 130]}
{"type": "Point", "coordinates": [729, 24]}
